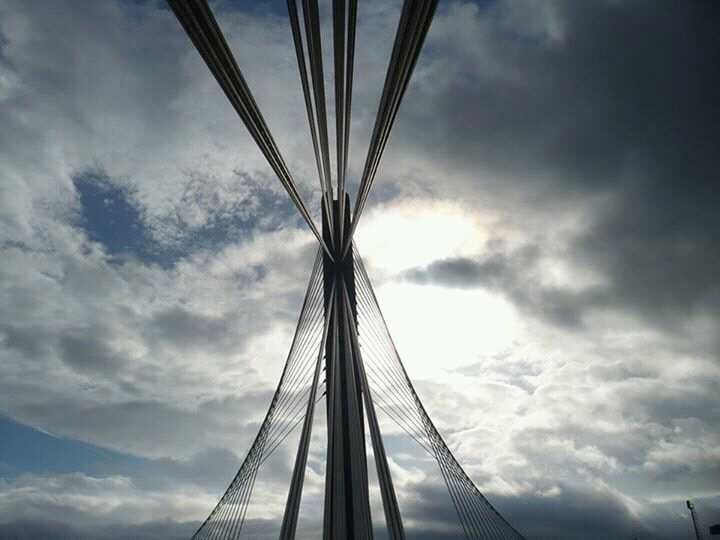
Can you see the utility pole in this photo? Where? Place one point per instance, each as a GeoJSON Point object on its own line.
{"type": "Point", "coordinates": [691, 507]}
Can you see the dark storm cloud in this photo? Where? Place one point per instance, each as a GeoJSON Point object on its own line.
{"type": "Point", "coordinates": [614, 101]}
{"type": "Point", "coordinates": [579, 513]}
{"type": "Point", "coordinates": [28, 341]}
{"type": "Point", "coordinates": [660, 246]}
{"type": "Point", "coordinates": [591, 512]}
{"type": "Point", "coordinates": [87, 353]}
{"type": "Point", "coordinates": [27, 450]}
{"type": "Point", "coordinates": [53, 530]}
{"type": "Point", "coordinates": [514, 274]}
{"type": "Point", "coordinates": [261, 529]}
{"type": "Point", "coordinates": [187, 329]}
{"type": "Point", "coordinates": [430, 504]}
{"type": "Point", "coordinates": [151, 427]}
{"type": "Point", "coordinates": [577, 108]}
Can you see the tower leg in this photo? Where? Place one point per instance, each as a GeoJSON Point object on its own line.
{"type": "Point", "coordinates": [347, 507]}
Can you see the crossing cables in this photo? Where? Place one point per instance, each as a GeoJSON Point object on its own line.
{"type": "Point", "coordinates": [200, 25]}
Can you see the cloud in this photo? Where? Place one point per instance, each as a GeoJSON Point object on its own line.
{"type": "Point", "coordinates": [53, 530]}
{"type": "Point", "coordinates": [87, 500]}
{"type": "Point", "coordinates": [565, 150]}
{"type": "Point", "coordinates": [570, 120]}
{"type": "Point", "coordinates": [516, 275]}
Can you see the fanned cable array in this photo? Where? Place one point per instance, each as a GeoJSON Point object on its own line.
{"type": "Point", "coordinates": [341, 326]}
{"type": "Point", "coordinates": [344, 21]}
{"type": "Point", "coordinates": [414, 24]}
{"type": "Point", "coordinates": [395, 395]}
{"type": "Point", "coordinates": [297, 387]}
{"type": "Point", "coordinates": [313, 85]}
{"type": "Point", "coordinates": [199, 22]}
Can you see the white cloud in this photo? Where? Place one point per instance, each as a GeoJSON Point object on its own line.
{"type": "Point", "coordinates": [173, 362]}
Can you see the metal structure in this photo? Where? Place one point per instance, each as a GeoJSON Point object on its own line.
{"type": "Point", "coordinates": [341, 332]}
{"type": "Point", "coordinates": [693, 518]}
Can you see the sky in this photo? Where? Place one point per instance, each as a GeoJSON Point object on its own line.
{"type": "Point", "coordinates": [543, 237]}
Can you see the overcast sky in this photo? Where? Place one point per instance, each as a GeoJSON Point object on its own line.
{"type": "Point", "coordinates": [544, 239]}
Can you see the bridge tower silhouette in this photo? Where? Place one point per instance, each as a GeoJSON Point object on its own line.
{"type": "Point", "coordinates": [341, 342]}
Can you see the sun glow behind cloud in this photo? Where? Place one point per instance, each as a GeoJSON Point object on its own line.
{"type": "Point", "coordinates": [437, 329]}
{"type": "Point", "coordinates": [415, 233]}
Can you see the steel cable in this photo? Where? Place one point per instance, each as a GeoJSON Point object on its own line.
{"type": "Point", "coordinates": [199, 23]}
{"type": "Point", "coordinates": [471, 504]}
{"type": "Point", "coordinates": [227, 517]}
{"type": "Point", "coordinates": [323, 174]}
{"type": "Point", "coordinates": [344, 21]}
{"type": "Point", "coordinates": [415, 20]}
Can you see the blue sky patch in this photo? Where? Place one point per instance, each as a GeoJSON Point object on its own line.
{"type": "Point", "coordinates": [109, 216]}
{"type": "Point", "coordinates": [27, 450]}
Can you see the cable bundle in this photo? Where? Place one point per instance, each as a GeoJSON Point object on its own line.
{"type": "Point", "coordinates": [395, 395]}
{"type": "Point", "coordinates": [297, 387]}
{"type": "Point", "coordinates": [414, 23]}
{"type": "Point", "coordinates": [200, 24]}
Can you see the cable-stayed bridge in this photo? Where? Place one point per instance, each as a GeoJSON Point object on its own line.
{"type": "Point", "coordinates": [342, 348]}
